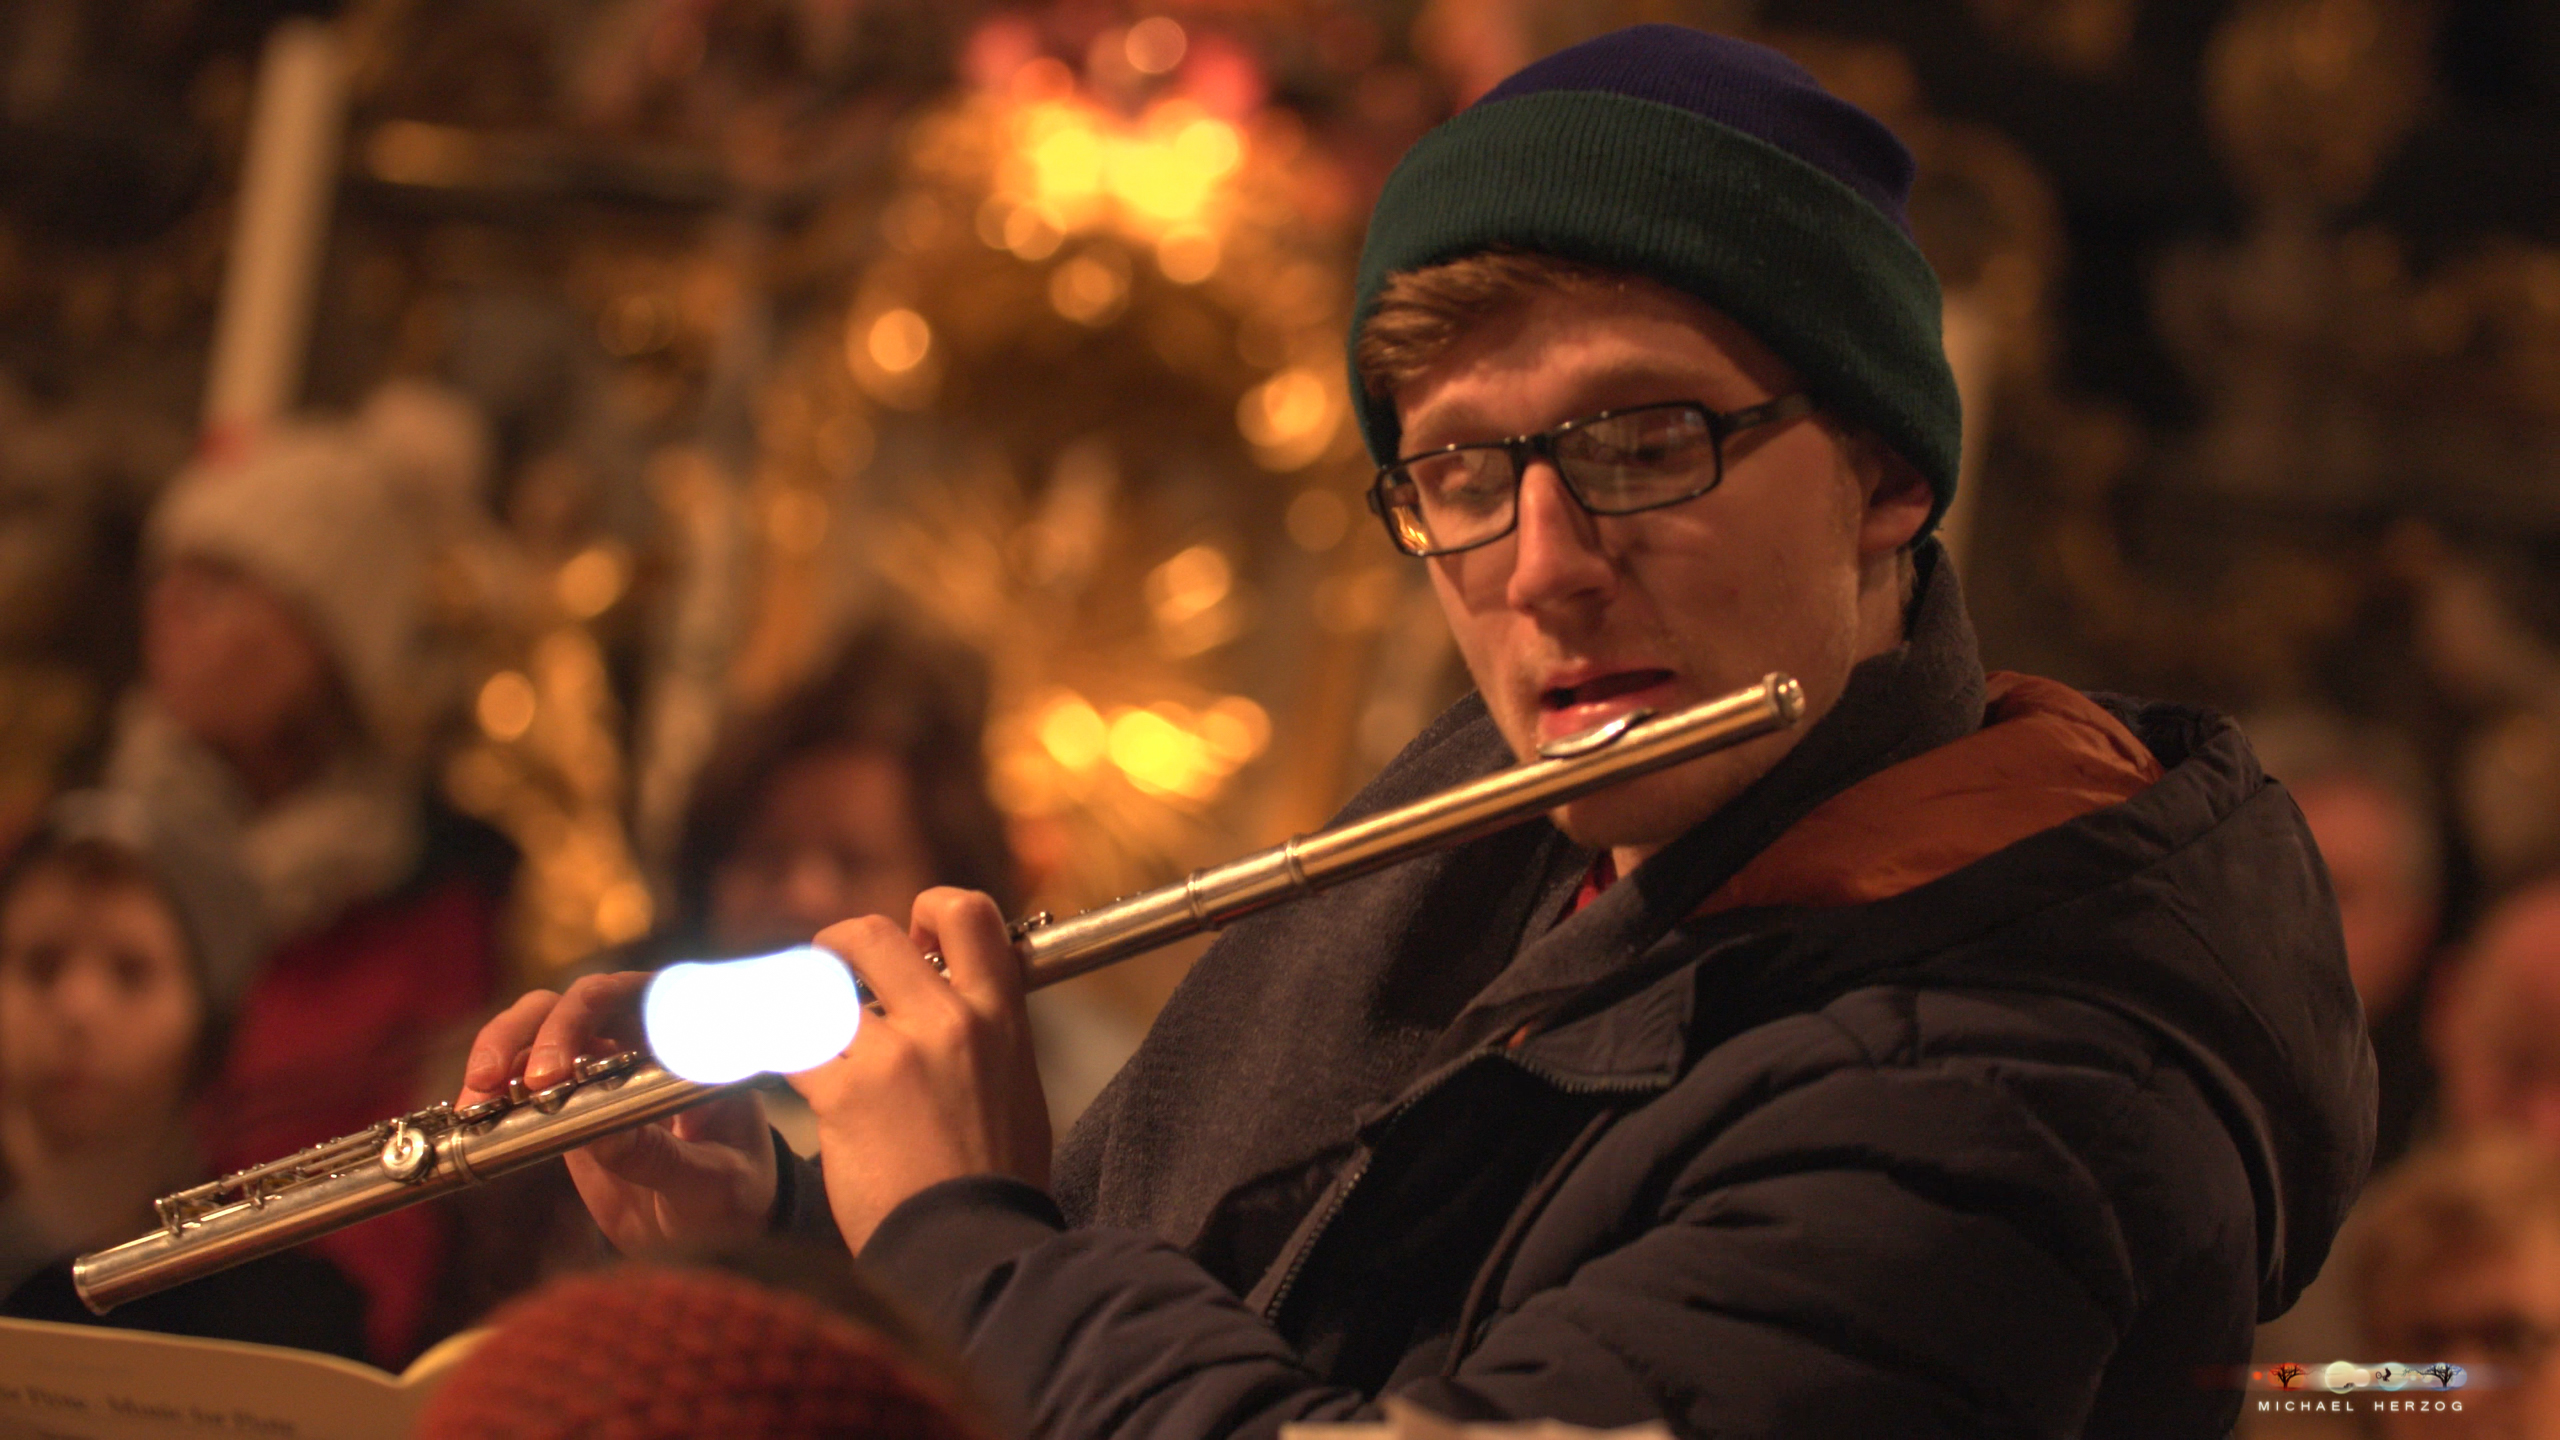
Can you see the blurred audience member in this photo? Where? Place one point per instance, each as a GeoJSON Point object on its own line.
{"type": "Point", "coordinates": [291, 681]}
{"type": "Point", "coordinates": [2496, 1033]}
{"type": "Point", "coordinates": [2366, 797]}
{"type": "Point", "coordinates": [849, 796]}
{"type": "Point", "coordinates": [2456, 1257]}
{"type": "Point", "coordinates": [662, 1352]}
{"type": "Point", "coordinates": [864, 786]}
{"type": "Point", "coordinates": [122, 948]}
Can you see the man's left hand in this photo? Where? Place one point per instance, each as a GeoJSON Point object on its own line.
{"type": "Point", "coordinates": [939, 1082]}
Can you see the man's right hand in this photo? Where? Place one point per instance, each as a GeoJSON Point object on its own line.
{"type": "Point", "coordinates": [703, 1177]}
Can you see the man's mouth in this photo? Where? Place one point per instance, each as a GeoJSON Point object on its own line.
{"type": "Point", "coordinates": [1570, 709]}
{"type": "Point", "coordinates": [1605, 687]}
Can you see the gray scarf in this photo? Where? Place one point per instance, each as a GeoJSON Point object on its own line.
{"type": "Point", "coordinates": [348, 835]}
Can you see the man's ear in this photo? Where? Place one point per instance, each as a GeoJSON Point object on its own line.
{"type": "Point", "coordinates": [1898, 499]}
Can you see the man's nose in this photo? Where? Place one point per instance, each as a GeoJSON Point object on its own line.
{"type": "Point", "coordinates": [812, 892]}
{"type": "Point", "coordinates": [1558, 557]}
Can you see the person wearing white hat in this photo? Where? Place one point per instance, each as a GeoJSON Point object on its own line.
{"type": "Point", "coordinates": [295, 667]}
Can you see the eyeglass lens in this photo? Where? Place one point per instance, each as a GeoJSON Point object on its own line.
{"type": "Point", "coordinates": [1613, 466]}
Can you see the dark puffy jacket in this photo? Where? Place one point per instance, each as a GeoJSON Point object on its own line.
{"type": "Point", "coordinates": [2026, 1150]}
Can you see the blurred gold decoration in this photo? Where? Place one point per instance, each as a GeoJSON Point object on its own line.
{"type": "Point", "coordinates": [1116, 741]}
{"type": "Point", "coordinates": [542, 764]}
{"type": "Point", "coordinates": [1086, 407]}
{"type": "Point", "coordinates": [2335, 380]}
{"type": "Point", "coordinates": [538, 753]}
{"type": "Point", "coordinates": [592, 580]}
{"type": "Point", "coordinates": [2309, 97]}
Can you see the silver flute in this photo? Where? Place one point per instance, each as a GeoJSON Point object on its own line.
{"type": "Point", "coordinates": [443, 1148]}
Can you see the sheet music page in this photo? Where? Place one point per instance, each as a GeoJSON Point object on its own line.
{"type": "Point", "coordinates": [84, 1382]}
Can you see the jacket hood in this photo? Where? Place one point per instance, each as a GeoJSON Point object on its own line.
{"type": "Point", "coordinates": [2198, 908]}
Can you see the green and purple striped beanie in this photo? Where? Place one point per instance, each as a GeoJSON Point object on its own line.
{"type": "Point", "coordinates": [1716, 167]}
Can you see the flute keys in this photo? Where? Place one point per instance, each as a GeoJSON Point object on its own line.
{"type": "Point", "coordinates": [408, 1154]}
{"type": "Point", "coordinates": [601, 1067]}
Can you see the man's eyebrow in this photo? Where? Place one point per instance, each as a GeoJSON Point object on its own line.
{"type": "Point", "coordinates": [1636, 381]}
{"type": "Point", "coordinates": [1640, 380]}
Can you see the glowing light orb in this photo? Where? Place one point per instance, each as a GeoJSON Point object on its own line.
{"type": "Point", "coordinates": [506, 706]}
{"type": "Point", "coordinates": [899, 341]}
{"type": "Point", "coordinates": [714, 1022]}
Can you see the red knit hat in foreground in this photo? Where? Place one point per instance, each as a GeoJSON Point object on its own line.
{"type": "Point", "coordinates": [656, 1353]}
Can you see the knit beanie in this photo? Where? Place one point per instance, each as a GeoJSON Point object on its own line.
{"type": "Point", "coordinates": [344, 520]}
{"type": "Point", "coordinates": [1710, 165]}
{"type": "Point", "coordinates": [650, 1352]}
{"type": "Point", "coordinates": [214, 899]}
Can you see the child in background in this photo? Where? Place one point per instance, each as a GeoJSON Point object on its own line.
{"type": "Point", "coordinates": [297, 663]}
{"type": "Point", "coordinates": [121, 951]}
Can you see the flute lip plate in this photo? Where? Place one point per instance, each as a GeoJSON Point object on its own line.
{"type": "Point", "coordinates": [1598, 737]}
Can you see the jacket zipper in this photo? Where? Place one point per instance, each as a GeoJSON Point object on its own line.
{"type": "Point", "coordinates": [1481, 1291]}
{"type": "Point", "coordinates": [1298, 1259]}
{"type": "Point", "coordinates": [1359, 1168]}
{"type": "Point", "coordinates": [1350, 1181]}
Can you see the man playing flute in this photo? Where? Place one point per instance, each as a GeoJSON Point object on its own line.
{"type": "Point", "coordinates": [1977, 1058]}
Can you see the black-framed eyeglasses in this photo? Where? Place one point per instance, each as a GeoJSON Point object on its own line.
{"type": "Point", "coordinates": [1614, 463]}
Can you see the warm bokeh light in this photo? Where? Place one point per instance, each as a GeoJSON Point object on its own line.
{"type": "Point", "coordinates": [592, 580]}
{"type": "Point", "coordinates": [506, 706]}
{"type": "Point", "coordinates": [1165, 750]}
{"type": "Point", "coordinates": [1092, 288]}
{"type": "Point", "coordinates": [796, 521]}
{"type": "Point", "coordinates": [1289, 418]}
{"type": "Point", "coordinates": [624, 912]}
{"type": "Point", "coordinates": [1072, 166]}
{"type": "Point", "coordinates": [1066, 155]}
{"type": "Point", "coordinates": [1209, 146]}
{"type": "Point", "coordinates": [1236, 729]}
{"type": "Point", "coordinates": [1071, 730]}
{"type": "Point", "coordinates": [1154, 749]}
{"type": "Point", "coordinates": [1188, 254]}
{"type": "Point", "coordinates": [1155, 45]}
{"type": "Point", "coordinates": [898, 341]}
{"type": "Point", "coordinates": [1190, 583]}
